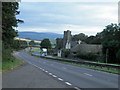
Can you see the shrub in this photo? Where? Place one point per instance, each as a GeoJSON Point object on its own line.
{"type": "Point", "coordinates": [66, 52]}
{"type": "Point", "coordinates": [88, 56]}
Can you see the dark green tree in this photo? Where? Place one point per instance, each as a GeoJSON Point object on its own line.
{"type": "Point", "coordinates": [46, 43]}
{"type": "Point", "coordinates": [80, 36]}
{"type": "Point", "coordinates": [94, 39]}
{"type": "Point", "coordinates": [9, 23]}
{"type": "Point", "coordinates": [32, 43]}
{"type": "Point", "coordinates": [111, 42]}
{"type": "Point", "coordinates": [59, 42]}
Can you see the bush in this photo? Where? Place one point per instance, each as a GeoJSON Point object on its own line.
{"type": "Point", "coordinates": [88, 56]}
{"type": "Point", "coordinates": [66, 52]}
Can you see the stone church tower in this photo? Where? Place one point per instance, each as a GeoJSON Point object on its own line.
{"type": "Point", "coordinates": [67, 39]}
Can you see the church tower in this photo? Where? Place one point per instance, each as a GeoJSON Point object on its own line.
{"type": "Point", "coordinates": [67, 39]}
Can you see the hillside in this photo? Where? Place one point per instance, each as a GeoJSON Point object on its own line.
{"type": "Point", "coordinates": [39, 35]}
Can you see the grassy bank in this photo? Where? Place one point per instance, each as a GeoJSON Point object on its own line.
{"type": "Point", "coordinates": [8, 65]}
{"type": "Point", "coordinates": [105, 69]}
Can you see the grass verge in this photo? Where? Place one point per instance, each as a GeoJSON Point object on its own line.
{"type": "Point", "coordinates": [11, 64]}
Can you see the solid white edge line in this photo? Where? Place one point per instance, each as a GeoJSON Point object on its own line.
{"type": "Point", "coordinates": [68, 83]}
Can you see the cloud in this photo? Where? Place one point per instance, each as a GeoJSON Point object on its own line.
{"type": "Point", "coordinates": [88, 18]}
{"type": "Point", "coordinates": [70, 0]}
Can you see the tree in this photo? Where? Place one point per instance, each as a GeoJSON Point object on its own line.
{"type": "Point", "coordinates": [59, 42]}
{"type": "Point", "coordinates": [94, 39]}
{"type": "Point", "coordinates": [80, 36]}
{"type": "Point", "coordinates": [46, 43]}
{"type": "Point", "coordinates": [9, 23]}
{"type": "Point", "coordinates": [32, 43]}
{"type": "Point", "coordinates": [118, 55]}
{"type": "Point", "coordinates": [111, 42]}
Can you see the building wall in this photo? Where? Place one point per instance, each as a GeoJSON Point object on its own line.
{"type": "Point", "coordinates": [67, 38]}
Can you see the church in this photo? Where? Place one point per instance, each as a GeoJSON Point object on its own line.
{"type": "Point", "coordinates": [75, 47]}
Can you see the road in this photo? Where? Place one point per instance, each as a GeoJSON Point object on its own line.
{"type": "Point", "coordinates": [77, 77]}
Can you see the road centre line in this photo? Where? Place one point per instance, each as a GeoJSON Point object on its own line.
{"type": "Point", "coordinates": [60, 79]}
{"type": "Point", "coordinates": [46, 71]}
{"type": "Point", "coordinates": [54, 76]}
{"type": "Point", "coordinates": [77, 88]}
{"type": "Point", "coordinates": [50, 73]}
{"type": "Point", "coordinates": [88, 74]}
{"type": "Point", "coordinates": [68, 83]}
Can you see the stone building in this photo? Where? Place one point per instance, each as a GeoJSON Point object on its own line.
{"type": "Point", "coordinates": [76, 46]}
{"type": "Point", "coordinates": [67, 39]}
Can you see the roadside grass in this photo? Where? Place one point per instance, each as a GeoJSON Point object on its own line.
{"type": "Point", "coordinates": [8, 65]}
{"type": "Point", "coordinates": [105, 69]}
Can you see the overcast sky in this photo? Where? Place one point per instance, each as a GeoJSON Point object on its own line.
{"type": "Point", "coordinates": [79, 17]}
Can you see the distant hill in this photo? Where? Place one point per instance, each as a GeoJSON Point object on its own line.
{"type": "Point", "coordinates": [39, 35]}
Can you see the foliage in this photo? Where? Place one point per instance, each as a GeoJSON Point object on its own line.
{"type": "Point", "coordinates": [32, 43]}
{"type": "Point", "coordinates": [80, 36]}
{"type": "Point", "coordinates": [59, 42]}
{"type": "Point", "coordinates": [94, 39]}
{"type": "Point", "coordinates": [118, 55]}
{"type": "Point", "coordinates": [11, 64]}
{"type": "Point", "coordinates": [88, 56]}
{"type": "Point", "coordinates": [45, 44]}
{"type": "Point", "coordinates": [9, 23]}
{"type": "Point", "coordinates": [111, 42]}
{"type": "Point", "coordinates": [66, 52]}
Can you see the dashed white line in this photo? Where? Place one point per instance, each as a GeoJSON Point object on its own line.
{"type": "Point", "coordinates": [50, 73]}
{"type": "Point", "coordinates": [88, 74]}
{"type": "Point", "coordinates": [68, 83]}
{"type": "Point", "coordinates": [64, 68]}
{"type": "Point", "coordinates": [54, 76]}
{"type": "Point", "coordinates": [77, 88]}
{"type": "Point", "coordinates": [46, 71]}
{"type": "Point", "coordinates": [42, 69]}
{"type": "Point", "coordinates": [60, 79]}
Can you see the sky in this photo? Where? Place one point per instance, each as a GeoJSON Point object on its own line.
{"type": "Point", "coordinates": [57, 17]}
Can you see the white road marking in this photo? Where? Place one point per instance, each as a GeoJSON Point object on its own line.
{"type": "Point", "coordinates": [64, 68]}
{"type": "Point", "coordinates": [77, 88]}
{"type": "Point", "coordinates": [50, 73]}
{"type": "Point", "coordinates": [88, 74]}
{"type": "Point", "coordinates": [60, 79]}
{"type": "Point", "coordinates": [46, 71]}
{"type": "Point", "coordinates": [68, 83]}
{"type": "Point", "coordinates": [54, 76]}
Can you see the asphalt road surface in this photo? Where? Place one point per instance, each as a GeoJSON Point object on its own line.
{"type": "Point", "coordinates": [73, 76]}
